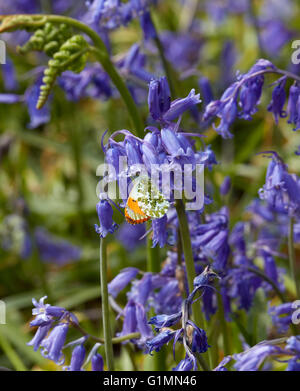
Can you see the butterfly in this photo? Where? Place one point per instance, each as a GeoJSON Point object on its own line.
{"type": "Point", "coordinates": [145, 201]}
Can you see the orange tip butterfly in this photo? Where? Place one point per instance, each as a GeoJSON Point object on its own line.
{"type": "Point", "coordinates": [145, 201]}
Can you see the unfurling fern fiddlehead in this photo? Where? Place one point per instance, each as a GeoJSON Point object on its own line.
{"type": "Point", "coordinates": [47, 39]}
{"type": "Point", "coordinates": [71, 56]}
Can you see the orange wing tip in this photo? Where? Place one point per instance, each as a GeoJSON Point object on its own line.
{"type": "Point", "coordinates": [133, 205]}
{"type": "Point", "coordinates": [134, 222]}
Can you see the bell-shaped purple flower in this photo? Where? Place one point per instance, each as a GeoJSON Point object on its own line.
{"type": "Point", "coordinates": [159, 340]}
{"type": "Point", "coordinates": [206, 90]}
{"type": "Point", "coordinates": [122, 280]}
{"type": "Point", "coordinates": [186, 364]}
{"type": "Point", "coordinates": [53, 344]}
{"type": "Point", "coordinates": [105, 215]}
{"type": "Point", "coordinates": [160, 234]}
{"type": "Point", "coordinates": [160, 321]}
{"type": "Point", "coordinates": [39, 336]}
{"type": "Point", "coordinates": [159, 97]}
{"type": "Point", "coordinates": [199, 339]}
{"type": "Point", "coordinates": [147, 25]}
{"type": "Point", "coordinates": [77, 359]}
{"type": "Point", "coordinates": [97, 362]}
{"type": "Point", "coordinates": [179, 106]}
{"type": "Point", "coordinates": [225, 186]}
{"type": "Point", "coordinates": [228, 115]}
{"type": "Point", "coordinates": [293, 106]}
{"type": "Point", "coordinates": [278, 100]}
{"type": "Point", "coordinates": [282, 316]}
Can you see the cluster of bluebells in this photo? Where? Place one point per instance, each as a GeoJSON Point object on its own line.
{"type": "Point", "coordinates": [258, 357]}
{"type": "Point", "coordinates": [165, 149]}
{"type": "Point", "coordinates": [162, 292]}
{"type": "Point", "coordinates": [240, 99]}
{"type": "Point", "coordinates": [53, 325]}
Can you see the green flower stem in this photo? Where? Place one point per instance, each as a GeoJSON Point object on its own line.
{"type": "Point", "coordinates": [292, 257]}
{"type": "Point", "coordinates": [190, 267]}
{"type": "Point", "coordinates": [169, 71]}
{"type": "Point", "coordinates": [105, 306]}
{"type": "Point", "coordinates": [158, 361]}
{"type": "Point", "coordinates": [224, 326]}
{"type": "Point", "coordinates": [13, 22]}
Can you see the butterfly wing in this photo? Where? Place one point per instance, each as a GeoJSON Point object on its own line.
{"type": "Point", "coordinates": [151, 201]}
{"type": "Point", "coordinates": [132, 216]}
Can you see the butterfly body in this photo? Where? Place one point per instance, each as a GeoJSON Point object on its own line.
{"type": "Point", "coordinates": [145, 202]}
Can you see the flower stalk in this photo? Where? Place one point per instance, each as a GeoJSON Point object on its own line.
{"type": "Point", "coordinates": [190, 269]}
{"type": "Point", "coordinates": [105, 306]}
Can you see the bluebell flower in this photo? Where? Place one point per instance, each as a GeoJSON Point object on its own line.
{"type": "Point", "coordinates": [206, 90]}
{"type": "Point", "coordinates": [135, 321]}
{"type": "Point", "coordinates": [130, 235]}
{"type": "Point", "coordinates": [134, 64]}
{"type": "Point", "coordinates": [159, 340]}
{"type": "Point", "coordinates": [212, 239]}
{"type": "Point", "coordinates": [91, 82]}
{"type": "Point", "coordinates": [225, 186]}
{"type": "Point", "coordinates": [122, 280]}
{"type": "Point", "coordinates": [293, 364]}
{"type": "Point", "coordinates": [228, 114]}
{"type": "Point", "coordinates": [141, 289]}
{"type": "Point", "coordinates": [105, 215]}
{"type": "Point", "coordinates": [160, 321]}
{"type": "Point", "coordinates": [205, 278]}
{"type": "Point", "coordinates": [53, 344]}
{"type": "Point", "coordinates": [40, 335]}
{"type": "Point", "coordinates": [55, 250]}
{"type": "Point", "coordinates": [160, 233]}
{"type": "Point", "coordinates": [168, 299]}
{"type": "Point", "coordinates": [30, 98]}
{"type": "Point", "coordinates": [159, 97]}
{"type": "Point", "coordinates": [179, 106]}
{"type": "Point", "coordinates": [181, 49]}
{"type": "Point", "coordinates": [45, 313]}
{"type": "Point", "coordinates": [278, 100]}
{"type": "Point", "coordinates": [198, 338]}
{"type": "Point", "coordinates": [293, 344]}
{"type": "Point", "coordinates": [274, 35]}
{"type": "Point", "coordinates": [293, 105]}
{"type": "Point", "coordinates": [77, 359]}
{"type": "Point", "coordinates": [270, 266]}
{"type": "Point", "coordinates": [186, 364]}
{"type": "Point", "coordinates": [250, 94]}
{"type": "Point", "coordinates": [282, 316]}
{"type": "Point", "coordinates": [221, 367]}
{"type": "Point", "coordinates": [147, 25]}
{"type": "Point", "coordinates": [253, 358]}
{"type": "Point", "coordinates": [133, 152]}
{"type": "Point", "coordinates": [281, 189]}
{"type": "Point", "coordinates": [97, 362]}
